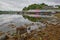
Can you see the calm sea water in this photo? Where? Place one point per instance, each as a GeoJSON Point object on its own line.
{"type": "Point", "coordinates": [6, 19]}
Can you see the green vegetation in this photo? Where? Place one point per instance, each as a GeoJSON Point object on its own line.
{"type": "Point", "coordinates": [39, 6]}
{"type": "Point", "coordinates": [59, 7]}
{"type": "Point", "coordinates": [31, 18]}
{"type": "Point", "coordinates": [8, 12]}
{"type": "Point", "coordinates": [35, 6]}
{"type": "Point", "coordinates": [57, 15]}
{"type": "Point", "coordinates": [34, 19]}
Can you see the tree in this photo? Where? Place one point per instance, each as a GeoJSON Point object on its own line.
{"type": "Point", "coordinates": [59, 6]}
{"type": "Point", "coordinates": [43, 4]}
{"type": "Point", "coordinates": [35, 6]}
{"type": "Point", "coordinates": [25, 8]}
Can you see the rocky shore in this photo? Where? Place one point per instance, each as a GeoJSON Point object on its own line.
{"type": "Point", "coordinates": [44, 30]}
{"type": "Point", "coordinates": [49, 32]}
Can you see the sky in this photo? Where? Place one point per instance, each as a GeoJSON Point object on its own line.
{"type": "Point", "coordinates": [18, 5]}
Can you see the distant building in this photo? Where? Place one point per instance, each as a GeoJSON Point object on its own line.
{"type": "Point", "coordinates": [48, 7]}
{"type": "Point", "coordinates": [40, 12]}
{"type": "Point", "coordinates": [56, 6]}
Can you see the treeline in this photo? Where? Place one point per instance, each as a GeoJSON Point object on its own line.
{"type": "Point", "coordinates": [8, 12]}
{"type": "Point", "coordinates": [36, 6]}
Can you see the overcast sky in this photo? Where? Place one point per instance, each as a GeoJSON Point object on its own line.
{"type": "Point", "coordinates": [16, 5]}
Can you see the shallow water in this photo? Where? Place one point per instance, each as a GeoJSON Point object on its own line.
{"type": "Point", "coordinates": [6, 19]}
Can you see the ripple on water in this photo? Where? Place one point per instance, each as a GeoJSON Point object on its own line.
{"type": "Point", "coordinates": [6, 19]}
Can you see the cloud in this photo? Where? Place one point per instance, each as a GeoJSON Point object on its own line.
{"type": "Point", "coordinates": [16, 5]}
{"type": "Point", "coordinates": [55, 1]}
{"type": "Point", "coordinates": [6, 6]}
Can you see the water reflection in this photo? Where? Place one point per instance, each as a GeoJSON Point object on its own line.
{"type": "Point", "coordinates": [6, 19]}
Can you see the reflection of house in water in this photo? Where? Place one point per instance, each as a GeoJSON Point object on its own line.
{"type": "Point", "coordinates": [20, 31]}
